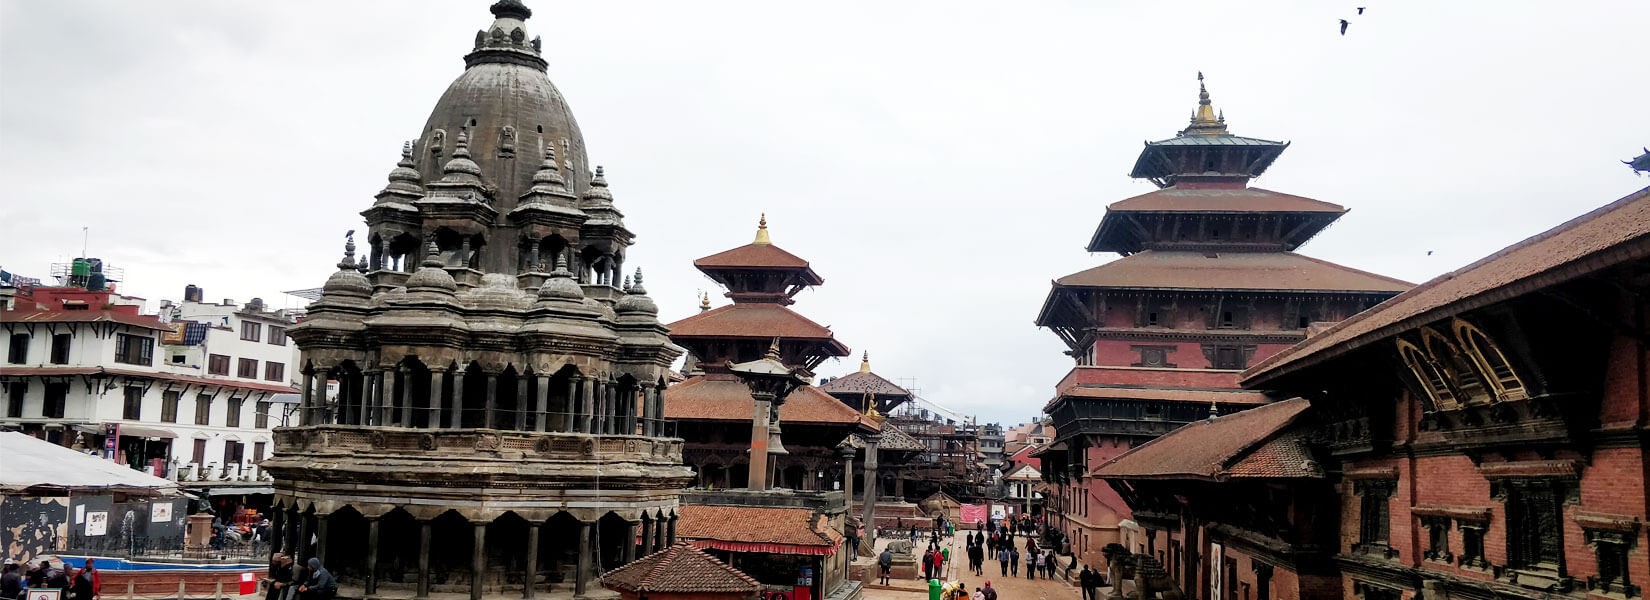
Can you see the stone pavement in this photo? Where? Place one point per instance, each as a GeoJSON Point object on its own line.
{"type": "Point", "coordinates": [1008, 588]}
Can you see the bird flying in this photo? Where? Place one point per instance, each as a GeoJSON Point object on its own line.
{"type": "Point", "coordinates": [1360, 10]}
{"type": "Point", "coordinates": [1344, 23]}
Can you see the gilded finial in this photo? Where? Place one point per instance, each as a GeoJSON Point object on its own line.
{"type": "Point", "coordinates": [865, 362]}
{"type": "Point", "coordinates": [1205, 121]}
{"type": "Point", "coordinates": [704, 301]}
{"type": "Point", "coordinates": [773, 349]}
{"type": "Point", "coordinates": [762, 230]}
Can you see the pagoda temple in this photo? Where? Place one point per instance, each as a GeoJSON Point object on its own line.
{"type": "Point", "coordinates": [762, 280]}
{"type": "Point", "coordinates": [496, 427]}
{"type": "Point", "coordinates": [1208, 283]}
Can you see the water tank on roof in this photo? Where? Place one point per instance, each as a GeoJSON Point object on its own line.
{"type": "Point", "coordinates": [80, 268]}
{"type": "Point", "coordinates": [97, 282]}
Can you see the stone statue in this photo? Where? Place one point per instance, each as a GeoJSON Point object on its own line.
{"type": "Point", "coordinates": [1137, 576]}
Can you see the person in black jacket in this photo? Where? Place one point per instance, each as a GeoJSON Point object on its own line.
{"type": "Point", "coordinates": [320, 585]}
{"type": "Point", "coordinates": [280, 576]}
{"type": "Point", "coordinates": [11, 581]}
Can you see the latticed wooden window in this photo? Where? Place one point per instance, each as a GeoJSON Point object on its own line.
{"type": "Point", "coordinates": [1374, 515]}
{"type": "Point", "coordinates": [1535, 533]}
{"type": "Point", "coordinates": [1472, 545]}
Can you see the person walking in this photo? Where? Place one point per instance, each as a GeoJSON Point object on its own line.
{"type": "Point", "coordinates": [928, 564]}
{"type": "Point", "coordinates": [320, 585]}
{"type": "Point", "coordinates": [1034, 563]}
{"type": "Point", "coordinates": [988, 592]}
{"type": "Point", "coordinates": [885, 562]}
{"type": "Point", "coordinates": [85, 585]}
{"type": "Point", "coordinates": [976, 560]}
{"type": "Point", "coordinates": [1003, 559]}
{"type": "Point", "coordinates": [1013, 561]}
{"type": "Point", "coordinates": [1086, 581]}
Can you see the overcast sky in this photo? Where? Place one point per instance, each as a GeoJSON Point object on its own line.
{"type": "Point", "coordinates": [938, 162]}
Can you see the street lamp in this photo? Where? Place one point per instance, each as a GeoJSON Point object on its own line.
{"type": "Point", "coordinates": [770, 382]}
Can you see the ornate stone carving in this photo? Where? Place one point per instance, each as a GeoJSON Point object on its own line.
{"type": "Point", "coordinates": [542, 446]}
{"type": "Point", "coordinates": [378, 440]}
{"type": "Point", "coordinates": [427, 441]}
{"type": "Point", "coordinates": [488, 441]}
{"type": "Point", "coordinates": [588, 448]}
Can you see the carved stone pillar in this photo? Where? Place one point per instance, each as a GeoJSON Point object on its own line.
{"type": "Point", "coordinates": [581, 578]}
{"type": "Point", "coordinates": [586, 403]}
{"type": "Point", "coordinates": [487, 420]}
{"type": "Point", "coordinates": [306, 407]}
{"type": "Point", "coordinates": [438, 380]}
{"type": "Point", "coordinates": [650, 414]}
{"type": "Point", "coordinates": [321, 537]}
{"type": "Point", "coordinates": [659, 534]}
{"type": "Point", "coordinates": [848, 453]}
{"type": "Point", "coordinates": [647, 534]}
{"type": "Point", "coordinates": [456, 419]}
{"type": "Point", "coordinates": [406, 397]}
{"type": "Point", "coordinates": [390, 391]}
{"type": "Point", "coordinates": [372, 557]}
{"type": "Point", "coordinates": [541, 404]}
{"type": "Point", "coordinates": [423, 559]}
{"type": "Point", "coordinates": [478, 561]}
{"type": "Point", "coordinates": [301, 551]}
{"type": "Point", "coordinates": [521, 402]}
{"type": "Point", "coordinates": [670, 531]}
{"type": "Point", "coordinates": [531, 577]}
{"type": "Point", "coordinates": [277, 528]}
{"type": "Point", "coordinates": [872, 490]}
{"type": "Point", "coordinates": [629, 541]}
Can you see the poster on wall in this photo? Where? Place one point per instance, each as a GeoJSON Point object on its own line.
{"type": "Point", "coordinates": [998, 511]}
{"type": "Point", "coordinates": [31, 526]}
{"type": "Point", "coordinates": [97, 523]}
{"type": "Point", "coordinates": [40, 594]}
{"type": "Point", "coordinates": [160, 512]}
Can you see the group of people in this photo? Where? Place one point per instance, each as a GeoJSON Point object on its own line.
{"type": "Point", "coordinates": [957, 590]}
{"type": "Point", "coordinates": [288, 581]}
{"type": "Point", "coordinates": [17, 578]}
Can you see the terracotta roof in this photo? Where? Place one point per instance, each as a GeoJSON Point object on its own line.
{"type": "Point", "coordinates": [753, 524]}
{"type": "Point", "coordinates": [681, 568]}
{"type": "Point", "coordinates": [1202, 396]}
{"type": "Point", "coordinates": [757, 256]}
{"type": "Point", "coordinates": [1281, 271]}
{"type": "Point", "coordinates": [722, 397]}
{"type": "Point", "coordinates": [756, 320]}
{"type": "Point", "coordinates": [859, 382]}
{"type": "Point", "coordinates": [1220, 449]}
{"type": "Point", "coordinates": [1184, 199]}
{"type": "Point", "coordinates": [1613, 234]}
{"type": "Point", "coordinates": [190, 379]}
{"type": "Point", "coordinates": [81, 316]}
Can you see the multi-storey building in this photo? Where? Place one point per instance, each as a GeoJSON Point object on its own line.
{"type": "Point", "coordinates": [1208, 283]}
{"type": "Point", "coordinates": [1479, 436]}
{"type": "Point", "coordinates": [85, 368]}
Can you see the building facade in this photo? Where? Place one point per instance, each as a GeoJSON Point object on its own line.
{"type": "Point", "coordinates": [84, 368]}
{"type": "Point", "coordinates": [498, 425]}
{"type": "Point", "coordinates": [1208, 283]}
{"type": "Point", "coordinates": [1479, 436]}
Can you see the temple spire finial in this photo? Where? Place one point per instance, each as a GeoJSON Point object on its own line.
{"type": "Point", "coordinates": [773, 349]}
{"type": "Point", "coordinates": [704, 301]}
{"type": "Point", "coordinates": [865, 361]}
{"type": "Point", "coordinates": [1205, 121]}
{"type": "Point", "coordinates": [762, 230]}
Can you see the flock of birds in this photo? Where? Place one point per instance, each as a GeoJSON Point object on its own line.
{"type": "Point", "coordinates": [1345, 23]}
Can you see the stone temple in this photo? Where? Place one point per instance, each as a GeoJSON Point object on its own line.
{"type": "Point", "coordinates": [482, 401]}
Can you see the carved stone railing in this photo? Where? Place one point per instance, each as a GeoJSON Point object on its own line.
{"type": "Point", "coordinates": [478, 443]}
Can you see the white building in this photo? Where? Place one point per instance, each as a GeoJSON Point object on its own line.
{"type": "Point", "coordinates": [194, 402]}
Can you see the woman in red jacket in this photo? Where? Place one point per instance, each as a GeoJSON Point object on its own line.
{"type": "Point", "coordinates": [86, 585]}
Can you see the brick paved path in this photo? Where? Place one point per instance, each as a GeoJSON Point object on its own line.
{"type": "Point", "coordinates": [1008, 588]}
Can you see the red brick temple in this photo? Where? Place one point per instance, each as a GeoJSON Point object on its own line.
{"type": "Point", "coordinates": [1208, 283]}
{"type": "Point", "coordinates": [1479, 436]}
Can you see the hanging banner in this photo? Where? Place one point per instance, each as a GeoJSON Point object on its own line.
{"type": "Point", "coordinates": [972, 513]}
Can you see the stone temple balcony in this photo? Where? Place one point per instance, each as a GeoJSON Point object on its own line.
{"type": "Point", "coordinates": [477, 443]}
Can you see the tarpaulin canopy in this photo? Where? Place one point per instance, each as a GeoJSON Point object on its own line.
{"type": "Point", "coordinates": [34, 463]}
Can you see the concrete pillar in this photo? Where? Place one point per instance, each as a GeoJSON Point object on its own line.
{"type": "Point", "coordinates": [478, 561]}
{"type": "Point", "coordinates": [541, 404]}
{"type": "Point", "coordinates": [372, 557]}
{"type": "Point", "coordinates": [423, 559]}
{"type": "Point", "coordinates": [492, 400]}
{"type": "Point", "coordinates": [531, 577]}
{"type": "Point", "coordinates": [758, 478]}
{"type": "Point", "coordinates": [438, 380]}
{"type": "Point", "coordinates": [582, 577]}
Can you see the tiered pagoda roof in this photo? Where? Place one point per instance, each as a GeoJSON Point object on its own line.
{"type": "Point", "coordinates": [855, 388]}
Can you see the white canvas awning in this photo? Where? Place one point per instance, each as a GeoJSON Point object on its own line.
{"type": "Point", "coordinates": [34, 463]}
